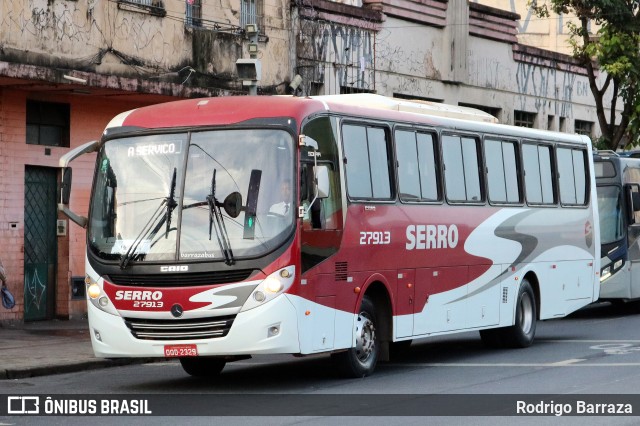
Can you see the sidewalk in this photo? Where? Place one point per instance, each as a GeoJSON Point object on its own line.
{"type": "Point", "coordinates": [49, 347]}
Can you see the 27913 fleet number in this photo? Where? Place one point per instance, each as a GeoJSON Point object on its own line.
{"type": "Point", "coordinates": [148, 304]}
{"type": "Point", "coordinates": [375, 237]}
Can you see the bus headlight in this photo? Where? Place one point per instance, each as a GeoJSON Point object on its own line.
{"type": "Point", "coordinates": [611, 269]}
{"type": "Point", "coordinates": [272, 286]}
{"type": "Point", "coordinates": [98, 298]}
{"type": "Point", "coordinates": [94, 291]}
{"type": "Point", "coordinates": [618, 264]}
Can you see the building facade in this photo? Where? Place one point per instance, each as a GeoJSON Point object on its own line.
{"type": "Point", "coordinates": [67, 67]}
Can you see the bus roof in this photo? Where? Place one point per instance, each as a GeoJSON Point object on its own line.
{"type": "Point", "coordinates": [227, 110]}
{"type": "Point", "coordinates": [410, 105]}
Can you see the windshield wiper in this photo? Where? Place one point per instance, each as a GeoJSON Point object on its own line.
{"type": "Point", "coordinates": [161, 216]}
{"type": "Point", "coordinates": [216, 219]}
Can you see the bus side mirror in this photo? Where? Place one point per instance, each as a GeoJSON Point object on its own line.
{"type": "Point", "coordinates": [65, 186]}
{"type": "Point", "coordinates": [233, 204]}
{"type": "Point", "coordinates": [322, 178]}
{"type": "Point", "coordinates": [635, 197]}
{"type": "Point", "coordinates": [633, 201]}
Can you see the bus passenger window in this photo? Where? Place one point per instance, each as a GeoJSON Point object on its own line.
{"type": "Point", "coordinates": [417, 169]}
{"type": "Point", "coordinates": [502, 173]}
{"type": "Point", "coordinates": [538, 173]}
{"type": "Point", "coordinates": [572, 176]}
{"type": "Point", "coordinates": [367, 153]}
{"type": "Point", "coordinates": [461, 173]}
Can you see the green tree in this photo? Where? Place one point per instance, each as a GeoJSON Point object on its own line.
{"type": "Point", "coordinates": [615, 49]}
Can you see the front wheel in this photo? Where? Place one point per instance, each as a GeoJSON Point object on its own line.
{"type": "Point", "coordinates": [202, 366]}
{"type": "Point", "coordinates": [360, 361]}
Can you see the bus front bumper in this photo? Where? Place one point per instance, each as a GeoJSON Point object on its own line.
{"type": "Point", "coordinates": [267, 329]}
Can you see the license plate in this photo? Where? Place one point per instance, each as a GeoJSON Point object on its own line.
{"type": "Point", "coordinates": [173, 351]}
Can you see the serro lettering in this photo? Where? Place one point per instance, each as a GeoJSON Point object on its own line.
{"type": "Point", "coordinates": [138, 295]}
{"type": "Point", "coordinates": [426, 237]}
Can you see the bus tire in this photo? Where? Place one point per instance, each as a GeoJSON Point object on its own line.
{"type": "Point", "coordinates": [521, 334]}
{"type": "Point", "coordinates": [492, 338]}
{"type": "Point", "coordinates": [360, 361]}
{"type": "Point", "coordinates": [202, 366]}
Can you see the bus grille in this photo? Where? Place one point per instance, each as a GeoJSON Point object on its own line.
{"type": "Point", "coordinates": [181, 280]}
{"type": "Point", "coordinates": [199, 328]}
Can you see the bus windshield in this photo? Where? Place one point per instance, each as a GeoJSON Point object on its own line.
{"type": "Point", "coordinates": [611, 222]}
{"type": "Point", "coordinates": [162, 197]}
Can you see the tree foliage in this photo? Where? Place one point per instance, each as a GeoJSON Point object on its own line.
{"type": "Point", "coordinates": [615, 49]}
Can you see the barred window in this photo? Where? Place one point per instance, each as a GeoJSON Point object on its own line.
{"type": "Point", "coordinates": [582, 127]}
{"type": "Point", "coordinates": [193, 13]}
{"type": "Point", "coordinates": [154, 7]}
{"type": "Point", "coordinates": [524, 119]}
{"type": "Point", "coordinates": [252, 12]}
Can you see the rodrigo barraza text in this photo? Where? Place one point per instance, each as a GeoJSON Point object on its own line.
{"type": "Point", "coordinates": [572, 408]}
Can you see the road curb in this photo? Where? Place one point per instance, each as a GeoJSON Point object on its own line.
{"type": "Point", "coordinates": [23, 373]}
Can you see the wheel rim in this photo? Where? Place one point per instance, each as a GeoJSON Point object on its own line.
{"type": "Point", "coordinates": [526, 313]}
{"type": "Point", "coordinates": [365, 338]}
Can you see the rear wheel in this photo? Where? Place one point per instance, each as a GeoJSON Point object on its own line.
{"type": "Point", "coordinates": [361, 360]}
{"type": "Point", "coordinates": [491, 338]}
{"type": "Point", "coordinates": [520, 334]}
{"type": "Point", "coordinates": [203, 366]}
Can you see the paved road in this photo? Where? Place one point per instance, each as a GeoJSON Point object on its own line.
{"type": "Point", "coordinates": [595, 351]}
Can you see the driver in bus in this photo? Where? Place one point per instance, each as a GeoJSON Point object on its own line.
{"type": "Point", "coordinates": [283, 207]}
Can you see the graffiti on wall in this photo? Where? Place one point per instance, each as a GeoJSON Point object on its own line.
{"type": "Point", "coordinates": [335, 55]}
{"type": "Point", "coordinates": [89, 30]}
{"type": "Point", "coordinates": [546, 84]}
{"type": "Point", "coordinates": [406, 68]}
{"type": "Point", "coordinates": [539, 85]}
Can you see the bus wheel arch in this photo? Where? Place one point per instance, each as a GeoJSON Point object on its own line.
{"type": "Point", "coordinates": [372, 328]}
{"type": "Point", "coordinates": [379, 295]}
{"type": "Point", "coordinates": [535, 286]}
{"type": "Point", "coordinates": [526, 314]}
{"type": "Point", "coordinates": [522, 332]}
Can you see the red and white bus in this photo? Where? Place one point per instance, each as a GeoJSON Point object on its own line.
{"type": "Point", "coordinates": [347, 224]}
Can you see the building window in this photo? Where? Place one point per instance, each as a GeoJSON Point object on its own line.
{"type": "Point", "coordinates": [154, 7]}
{"type": "Point", "coordinates": [551, 120]}
{"type": "Point", "coordinates": [563, 124]}
{"type": "Point", "coordinates": [193, 14]}
{"type": "Point", "coordinates": [524, 119]}
{"type": "Point", "coordinates": [48, 123]}
{"type": "Point", "coordinates": [583, 127]}
{"type": "Point", "coordinates": [252, 12]}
